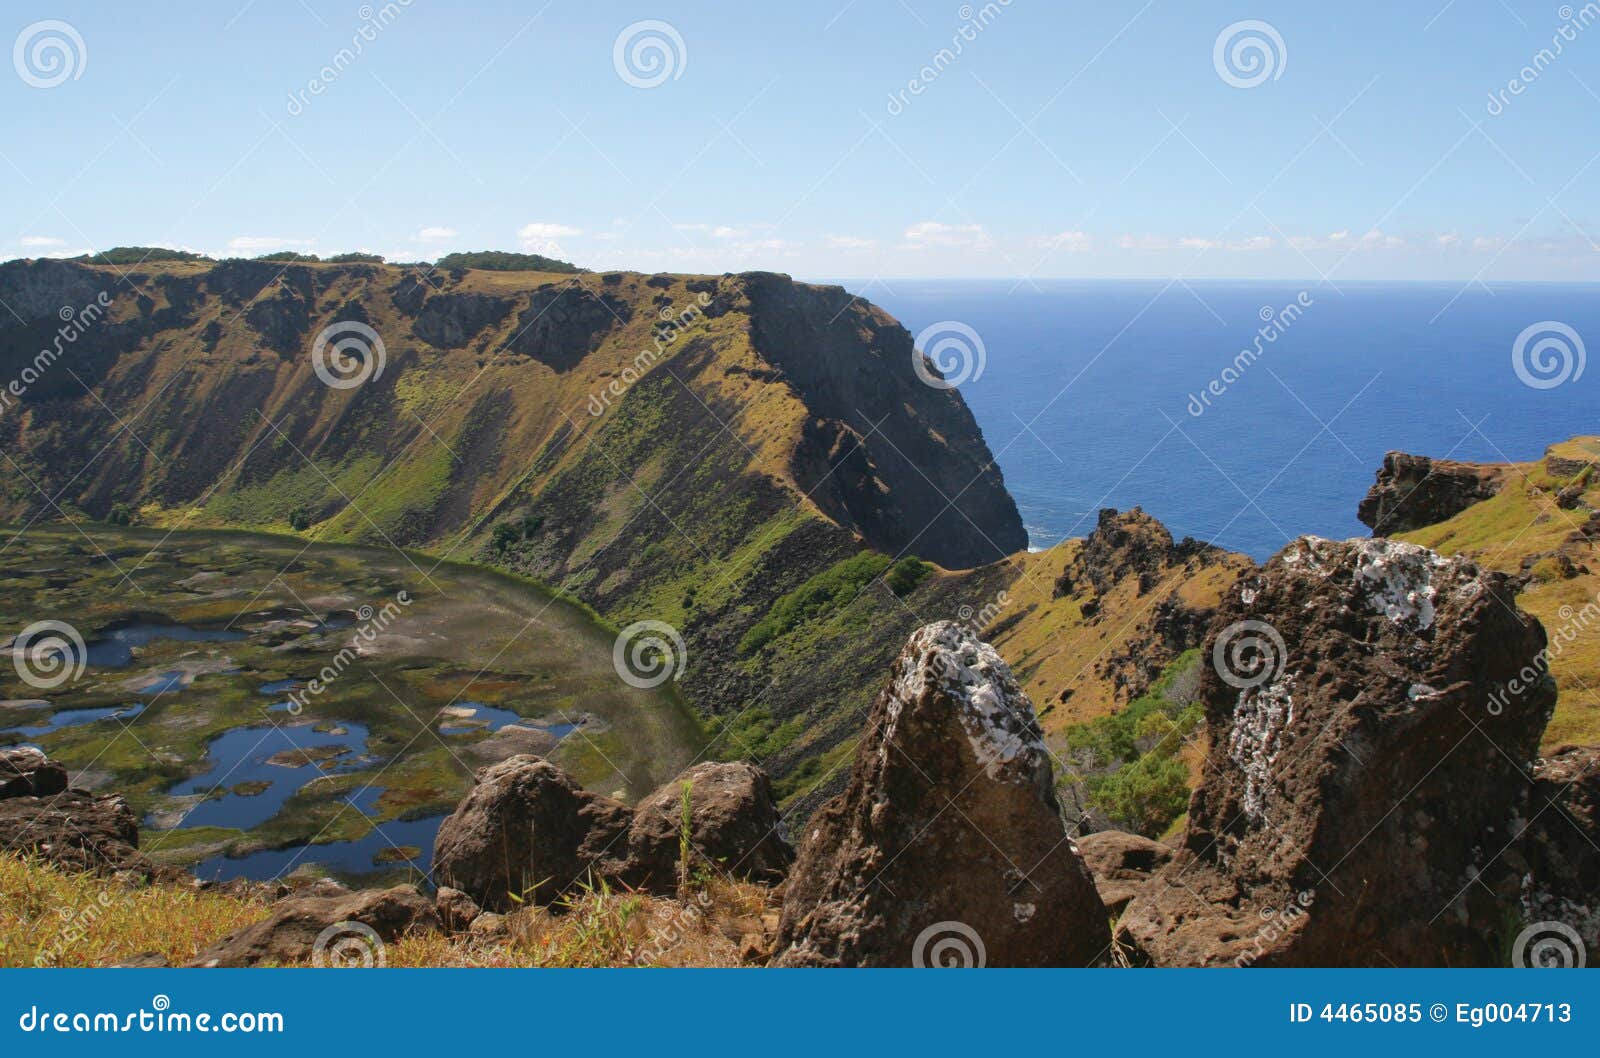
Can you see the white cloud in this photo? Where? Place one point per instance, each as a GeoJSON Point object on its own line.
{"type": "Point", "coordinates": [932, 233]}
{"type": "Point", "coordinates": [41, 240]}
{"type": "Point", "coordinates": [1253, 243]}
{"type": "Point", "coordinates": [1143, 242]}
{"type": "Point", "coordinates": [545, 230]}
{"type": "Point", "coordinates": [1192, 242]}
{"type": "Point", "coordinates": [436, 234]}
{"type": "Point", "coordinates": [1448, 239]}
{"type": "Point", "coordinates": [258, 243]}
{"type": "Point", "coordinates": [1071, 241]}
{"type": "Point", "coordinates": [850, 242]}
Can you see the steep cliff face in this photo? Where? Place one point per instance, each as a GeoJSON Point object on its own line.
{"type": "Point", "coordinates": [691, 450]}
{"type": "Point", "coordinates": [1413, 491]}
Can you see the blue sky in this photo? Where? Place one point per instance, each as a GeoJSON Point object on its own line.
{"type": "Point", "coordinates": [1065, 139]}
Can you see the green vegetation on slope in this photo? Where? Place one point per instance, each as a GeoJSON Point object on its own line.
{"type": "Point", "coordinates": [820, 595]}
{"type": "Point", "coordinates": [501, 261]}
{"type": "Point", "coordinates": [1134, 772]}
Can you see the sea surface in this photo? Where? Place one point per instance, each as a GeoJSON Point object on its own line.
{"type": "Point", "coordinates": [1090, 392]}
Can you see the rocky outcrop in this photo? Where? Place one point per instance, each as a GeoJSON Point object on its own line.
{"type": "Point", "coordinates": [948, 844]}
{"type": "Point", "coordinates": [527, 832]}
{"type": "Point", "coordinates": [1121, 863]}
{"type": "Point", "coordinates": [1127, 543]}
{"type": "Point", "coordinates": [1369, 723]}
{"type": "Point", "coordinates": [75, 830]}
{"type": "Point", "coordinates": [563, 324]}
{"type": "Point", "coordinates": [341, 929]}
{"type": "Point", "coordinates": [735, 826]}
{"type": "Point", "coordinates": [1414, 491]}
{"type": "Point", "coordinates": [1562, 844]}
{"type": "Point", "coordinates": [27, 772]}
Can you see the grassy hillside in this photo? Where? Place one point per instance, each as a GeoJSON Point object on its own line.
{"type": "Point", "coordinates": [1542, 525]}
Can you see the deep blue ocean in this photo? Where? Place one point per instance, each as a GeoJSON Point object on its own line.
{"type": "Point", "coordinates": [1104, 370]}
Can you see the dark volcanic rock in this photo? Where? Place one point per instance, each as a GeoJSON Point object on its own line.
{"type": "Point", "coordinates": [734, 824]}
{"type": "Point", "coordinates": [75, 830]}
{"type": "Point", "coordinates": [1562, 844]}
{"type": "Point", "coordinates": [1414, 491]}
{"type": "Point", "coordinates": [563, 324]}
{"type": "Point", "coordinates": [1121, 863]}
{"type": "Point", "coordinates": [27, 772]}
{"type": "Point", "coordinates": [527, 828]}
{"type": "Point", "coordinates": [948, 844]}
{"type": "Point", "coordinates": [451, 321]}
{"type": "Point", "coordinates": [1366, 765]}
{"type": "Point", "coordinates": [326, 929]}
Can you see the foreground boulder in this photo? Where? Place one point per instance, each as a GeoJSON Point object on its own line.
{"type": "Point", "coordinates": [1413, 491]}
{"type": "Point", "coordinates": [1562, 845]}
{"type": "Point", "coordinates": [527, 831]}
{"type": "Point", "coordinates": [343, 929]}
{"type": "Point", "coordinates": [527, 828]}
{"type": "Point", "coordinates": [734, 825]}
{"type": "Point", "coordinates": [74, 830]}
{"type": "Point", "coordinates": [27, 772]}
{"type": "Point", "coordinates": [1121, 863]}
{"type": "Point", "coordinates": [947, 847]}
{"type": "Point", "coordinates": [1372, 709]}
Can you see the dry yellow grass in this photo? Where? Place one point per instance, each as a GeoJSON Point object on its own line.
{"type": "Point", "coordinates": [52, 918]}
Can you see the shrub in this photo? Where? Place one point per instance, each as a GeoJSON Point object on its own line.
{"type": "Point", "coordinates": [501, 261]}
{"type": "Point", "coordinates": [833, 587]}
{"type": "Point", "coordinates": [907, 574]}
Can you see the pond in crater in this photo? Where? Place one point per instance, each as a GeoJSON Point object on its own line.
{"type": "Point", "coordinates": [283, 707]}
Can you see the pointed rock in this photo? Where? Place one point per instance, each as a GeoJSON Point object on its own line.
{"type": "Point", "coordinates": [947, 847]}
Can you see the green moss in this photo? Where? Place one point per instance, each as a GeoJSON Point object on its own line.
{"type": "Point", "coordinates": [822, 594]}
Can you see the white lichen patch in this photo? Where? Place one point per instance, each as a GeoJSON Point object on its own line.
{"type": "Point", "coordinates": [994, 712]}
{"type": "Point", "coordinates": [1255, 738]}
{"type": "Point", "coordinates": [1398, 579]}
